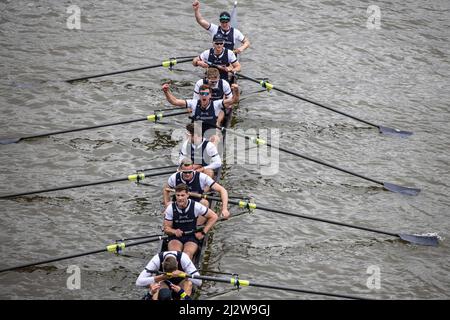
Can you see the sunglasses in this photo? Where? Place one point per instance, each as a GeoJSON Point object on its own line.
{"type": "Point", "coordinates": [187, 171]}
{"type": "Point", "coordinates": [224, 21]}
{"type": "Point", "coordinates": [204, 93]}
{"type": "Point", "coordinates": [219, 43]}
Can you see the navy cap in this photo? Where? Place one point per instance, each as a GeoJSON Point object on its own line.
{"type": "Point", "coordinates": [224, 16]}
{"type": "Point", "coordinates": [218, 37]}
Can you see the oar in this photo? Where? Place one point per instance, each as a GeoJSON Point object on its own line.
{"type": "Point", "coordinates": [114, 248]}
{"type": "Point", "coordinates": [388, 186]}
{"type": "Point", "coordinates": [424, 240]}
{"type": "Point", "coordinates": [134, 177]}
{"type": "Point", "coordinates": [245, 283]}
{"type": "Point", "coordinates": [159, 168]}
{"type": "Point", "coordinates": [152, 118]}
{"type": "Point", "coordinates": [233, 18]}
{"type": "Point", "coordinates": [166, 64]}
{"type": "Point", "coordinates": [141, 237]}
{"type": "Point", "coordinates": [382, 129]}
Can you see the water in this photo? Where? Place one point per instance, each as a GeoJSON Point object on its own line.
{"type": "Point", "coordinates": [395, 76]}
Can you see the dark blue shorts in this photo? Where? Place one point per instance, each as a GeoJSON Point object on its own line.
{"type": "Point", "coordinates": [185, 238]}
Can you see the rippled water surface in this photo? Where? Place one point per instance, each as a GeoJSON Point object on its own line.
{"type": "Point", "coordinates": [395, 76]}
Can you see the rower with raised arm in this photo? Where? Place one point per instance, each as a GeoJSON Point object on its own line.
{"type": "Point", "coordinates": [234, 39]}
{"type": "Point", "coordinates": [197, 182]}
{"type": "Point", "coordinates": [209, 112]}
{"type": "Point", "coordinates": [181, 216]}
{"type": "Point", "coordinates": [222, 58]}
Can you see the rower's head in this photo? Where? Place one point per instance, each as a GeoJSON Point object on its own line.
{"type": "Point", "coordinates": [218, 43]}
{"type": "Point", "coordinates": [187, 169]}
{"type": "Point", "coordinates": [194, 131]}
{"type": "Point", "coordinates": [224, 19]}
{"type": "Point", "coordinates": [169, 263]}
{"type": "Point", "coordinates": [213, 76]}
{"type": "Point", "coordinates": [205, 95]}
{"type": "Point", "coordinates": [182, 194]}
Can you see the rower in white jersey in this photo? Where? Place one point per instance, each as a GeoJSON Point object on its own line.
{"type": "Point", "coordinates": [209, 112]}
{"type": "Point", "coordinates": [181, 216]}
{"type": "Point", "coordinates": [197, 182]}
{"type": "Point", "coordinates": [220, 57]}
{"type": "Point", "coordinates": [234, 39]}
{"type": "Point", "coordinates": [163, 287]}
{"type": "Point", "coordinates": [220, 88]}
{"type": "Point", "coordinates": [201, 152]}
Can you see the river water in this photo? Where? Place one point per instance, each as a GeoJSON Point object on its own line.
{"type": "Point", "coordinates": [395, 75]}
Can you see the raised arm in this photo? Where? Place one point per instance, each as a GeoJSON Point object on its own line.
{"type": "Point", "coordinates": [166, 195]}
{"type": "Point", "coordinates": [171, 98]}
{"type": "Point", "coordinates": [200, 20]}
{"type": "Point", "coordinates": [235, 98]}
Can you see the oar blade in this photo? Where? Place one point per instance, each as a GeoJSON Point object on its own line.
{"type": "Point", "coordinates": [10, 140]}
{"type": "Point", "coordinates": [423, 240]}
{"type": "Point", "coordinates": [394, 132]}
{"type": "Point", "coordinates": [400, 189]}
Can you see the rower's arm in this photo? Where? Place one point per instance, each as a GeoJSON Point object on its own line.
{"type": "Point", "coordinates": [245, 45]}
{"type": "Point", "coordinates": [168, 228]}
{"type": "Point", "coordinates": [223, 195]}
{"type": "Point", "coordinates": [166, 195]}
{"type": "Point", "coordinates": [220, 118]}
{"type": "Point", "coordinates": [171, 98]}
{"type": "Point", "coordinates": [235, 67]}
{"type": "Point", "coordinates": [200, 20]}
{"type": "Point", "coordinates": [211, 219]}
{"type": "Point", "coordinates": [234, 98]}
{"type": "Point", "coordinates": [198, 62]}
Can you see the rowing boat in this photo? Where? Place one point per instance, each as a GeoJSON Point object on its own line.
{"type": "Point", "coordinates": [199, 258]}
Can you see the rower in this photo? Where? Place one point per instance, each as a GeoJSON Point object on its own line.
{"type": "Point", "coordinates": [222, 58]}
{"type": "Point", "coordinates": [181, 216]}
{"type": "Point", "coordinates": [197, 182]}
{"type": "Point", "coordinates": [201, 152]}
{"type": "Point", "coordinates": [232, 36]}
{"type": "Point", "coordinates": [163, 287]}
{"type": "Point", "coordinates": [209, 112]}
{"type": "Point", "coordinates": [220, 88]}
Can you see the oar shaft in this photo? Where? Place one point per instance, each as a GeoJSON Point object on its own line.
{"type": "Point", "coordinates": [301, 216]}
{"type": "Point", "coordinates": [78, 255]}
{"type": "Point", "coordinates": [326, 164]}
{"type": "Point", "coordinates": [268, 286]}
{"type": "Point", "coordinates": [312, 101]}
{"type": "Point", "coordinates": [326, 221]}
{"type": "Point", "coordinates": [100, 126]}
{"type": "Point", "coordinates": [81, 185]}
{"type": "Point", "coordinates": [124, 71]}
{"type": "Point", "coordinates": [306, 157]}
{"type": "Point", "coordinates": [84, 128]}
